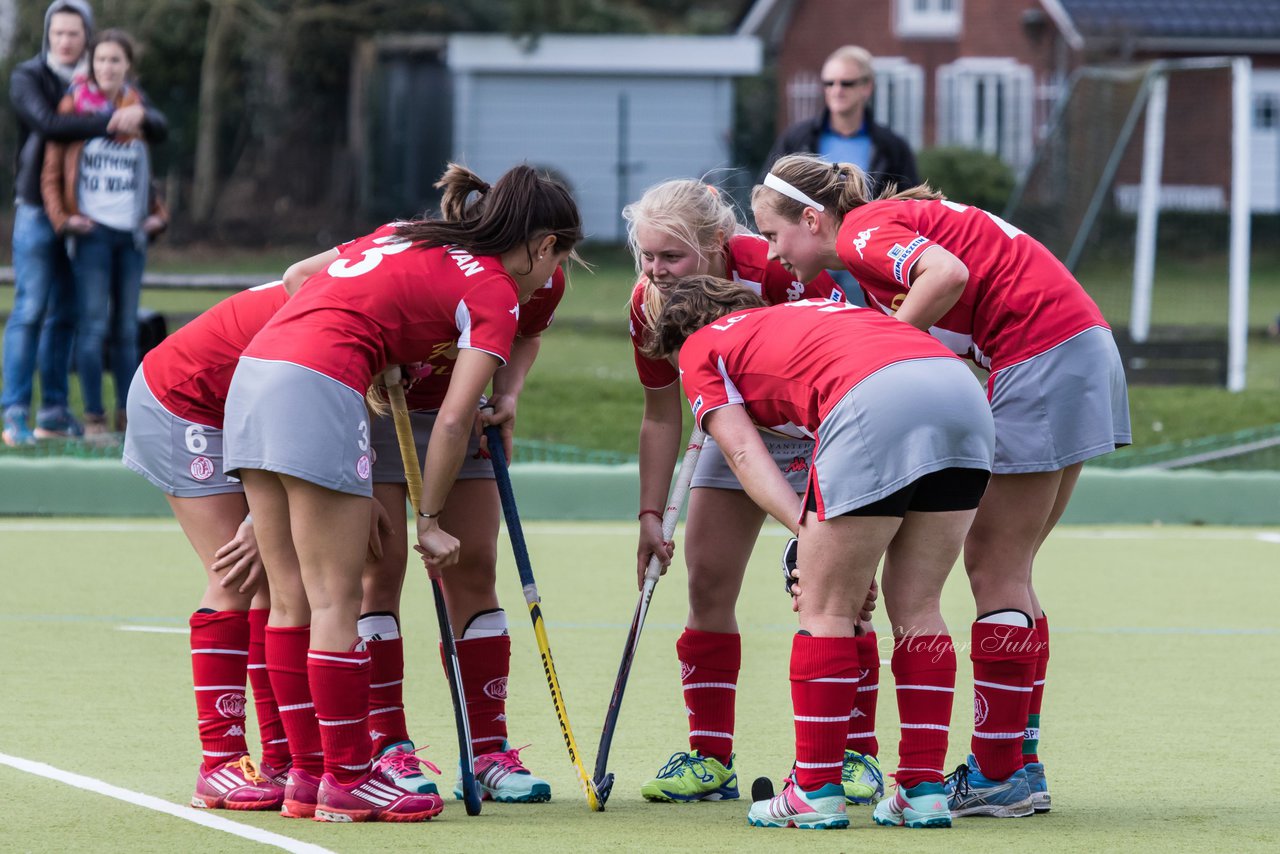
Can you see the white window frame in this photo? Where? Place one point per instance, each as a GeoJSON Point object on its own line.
{"type": "Point", "coordinates": [971, 91]}
{"type": "Point", "coordinates": [898, 99]}
{"type": "Point", "coordinates": [804, 96]}
{"type": "Point", "coordinates": [939, 19]}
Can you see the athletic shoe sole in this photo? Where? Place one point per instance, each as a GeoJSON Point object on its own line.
{"type": "Point", "coordinates": [1022, 809]}
{"type": "Point", "coordinates": [201, 802]}
{"type": "Point", "coordinates": [926, 824]}
{"type": "Point", "coordinates": [348, 816]}
{"type": "Point", "coordinates": [673, 798]}
{"type": "Point", "coordinates": [540, 793]}
{"type": "Point", "coordinates": [828, 824]}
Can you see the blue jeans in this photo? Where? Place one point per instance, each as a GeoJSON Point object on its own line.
{"type": "Point", "coordinates": [108, 276]}
{"type": "Point", "coordinates": [43, 321]}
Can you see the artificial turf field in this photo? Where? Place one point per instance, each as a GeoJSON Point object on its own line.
{"type": "Point", "coordinates": [1157, 726]}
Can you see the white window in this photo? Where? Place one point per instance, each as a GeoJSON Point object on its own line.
{"type": "Point", "coordinates": [804, 96]}
{"type": "Point", "coordinates": [986, 103]}
{"type": "Point", "coordinates": [928, 19]}
{"type": "Point", "coordinates": [898, 101]}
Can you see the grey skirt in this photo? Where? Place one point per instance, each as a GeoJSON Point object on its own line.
{"type": "Point", "coordinates": [288, 419]}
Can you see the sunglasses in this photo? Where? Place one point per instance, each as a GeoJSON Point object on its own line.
{"type": "Point", "coordinates": [846, 84]}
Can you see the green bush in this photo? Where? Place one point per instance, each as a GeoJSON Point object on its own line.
{"type": "Point", "coordinates": [968, 176]}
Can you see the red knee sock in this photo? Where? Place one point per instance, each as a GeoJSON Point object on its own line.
{"type": "Point", "coordinates": [287, 667]}
{"type": "Point", "coordinates": [219, 656]}
{"type": "Point", "coordinates": [485, 664]}
{"type": "Point", "coordinates": [924, 672]}
{"type": "Point", "coordinates": [386, 693]}
{"type": "Point", "coordinates": [1031, 737]}
{"type": "Point", "coordinates": [824, 680]}
{"type": "Point", "coordinates": [862, 724]}
{"type": "Point", "coordinates": [709, 665]}
{"type": "Point", "coordinates": [340, 685]}
{"type": "Point", "coordinates": [1004, 665]}
{"type": "Point", "coordinates": [275, 744]}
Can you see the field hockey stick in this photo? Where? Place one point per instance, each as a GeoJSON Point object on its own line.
{"type": "Point", "coordinates": [499, 454]}
{"type": "Point", "coordinates": [413, 480]}
{"type": "Point", "coordinates": [604, 779]}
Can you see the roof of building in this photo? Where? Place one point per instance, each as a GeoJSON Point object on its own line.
{"type": "Point", "coordinates": [1172, 24]}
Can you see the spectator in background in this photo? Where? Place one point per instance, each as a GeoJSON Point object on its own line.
{"type": "Point", "coordinates": [97, 194]}
{"type": "Point", "coordinates": [41, 274]}
{"type": "Point", "coordinates": [43, 287]}
{"type": "Point", "coordinates": [845, 131]}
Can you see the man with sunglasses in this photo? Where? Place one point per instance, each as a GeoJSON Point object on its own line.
{"type": "Point", "coordinates": [845, 132]}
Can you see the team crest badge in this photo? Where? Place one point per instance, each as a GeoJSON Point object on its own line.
{"type": "Point", "coordinates": [362, 467]}
{"type": "Point", "coordinates": [202, 468]}
{"type": "Point", "coordinates": [230, 705]}
{"type": "Point", "coordinates": [980, 709]}
{"type": "Point", "coordinates": [496, 689]}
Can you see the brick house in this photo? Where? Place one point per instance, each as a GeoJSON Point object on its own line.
{"type": "Point", "coordinates": [989, 73]}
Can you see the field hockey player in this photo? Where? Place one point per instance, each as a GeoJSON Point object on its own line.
{"type": "Point", "coordinates": [471, 513]}
{"type": "Point", "coordinates": [1056, 388]}
{"type": "Point", "coordinates": [685, 228]}
{"type": "Point", "coordinates": [174, 440]}
{"type": "Point", "coordinates": [904, 441]}
{"type": "Point", "coordinates": [297, 434]}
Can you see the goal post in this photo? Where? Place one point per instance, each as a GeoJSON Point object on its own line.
{"type": "Point", "coordinates": [1110, 162]}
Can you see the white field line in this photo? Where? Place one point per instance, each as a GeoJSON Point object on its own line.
{"type": "Point", "coordinates": [89, 784]}
{"type": "Point", "coordinates": [157, 630]}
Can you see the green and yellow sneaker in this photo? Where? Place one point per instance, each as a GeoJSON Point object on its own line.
{"type": "Point", "coordinates": [689, 777]}
{"type": "Point", "coordinates": [862, 778]}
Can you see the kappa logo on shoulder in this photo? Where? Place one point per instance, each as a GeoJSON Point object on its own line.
{"type": "Point", "coordinates": [860, 242]}
{"type": "Point", "coordinates": [795, 291]}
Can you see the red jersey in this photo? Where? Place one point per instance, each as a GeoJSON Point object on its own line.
{"type": "Point", "coordinates": [384, 301]}
{"type": "Point", "coordinates": [1019, 301]}
{"type": "Point", "coordinates": [789, 364]}
{"type": "Point", "coordinates": [746, 258]}
{"type": "Point", "coordinates": [535, 317]}
{"type": "Point", "coordinates": [190, 371]}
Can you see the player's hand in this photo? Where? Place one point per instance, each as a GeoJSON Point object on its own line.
{"type": "Point", "coordinates": [239, 559]}
{"type": "Point", "coordinates": [499, 410]}
{"type": "Point", "coordinates": [652, 545]}
{"type": "Point", "coordinates": [127, 121]}
{"type": "Point", "coordinates": [868, 606]}
{"type": "Point", "coordinates": [439, 548]}
{"type": "Point", "coordinates": [379, 524]}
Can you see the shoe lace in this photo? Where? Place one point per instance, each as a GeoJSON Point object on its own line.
{"type": "Point", "coordinates": [682, 761]}
{"type": "Point", "coordinates": [250, 770]}
{"type": "Point", "coordinates": [405, 763]}
{"type": "Point", "coordinates": [959, 778]}
{"type": "Point", "coordinates": [860, 760]}
{"type": "Point", "coordinates": [509, 760]}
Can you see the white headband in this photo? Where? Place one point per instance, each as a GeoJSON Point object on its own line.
{"type": "Point", "coordinates": [773, 182]}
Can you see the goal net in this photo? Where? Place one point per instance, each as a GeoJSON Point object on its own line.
{"type": "Point", "coordinates": [1140, 186]}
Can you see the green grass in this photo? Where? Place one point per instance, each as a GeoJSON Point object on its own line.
{"type": "Point", "coordinates": [1155, 710]}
